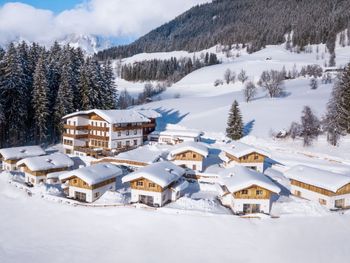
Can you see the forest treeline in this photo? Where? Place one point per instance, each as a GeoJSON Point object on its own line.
{"type": "Point", "coordinates": [254, 23]}
{"type": "Point", "coordinates": [38, 86]}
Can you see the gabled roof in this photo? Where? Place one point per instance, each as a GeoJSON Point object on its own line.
{"type": "Point", "coordinates": [244, 177]}
{"type": "Point", "coordinates": [239, 149]}
{"type": "Point", "coordinates": [47, 162]}
{"type": "Point", "coordinates": [178, 133]}
{"type": "Point", "coordinates": [190, 146]}
{"type": "Point", "coordinates": [317, 177]}
{"type": "Point", "coordinates": [113, 116]}
{"type": "Point", "coordinates": [162, 173]}
{"type": "Point", "coordinates": [94, 174]}
{"type": "Point", "coordinates": [17, 153]}
{"type": "Point", "coordinates": [146, 154]}
{"type": "Point", "coordinates": [151, 114]}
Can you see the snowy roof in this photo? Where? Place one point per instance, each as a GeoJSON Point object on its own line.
{"type": "Point", "coordinates": [94, 174]}
{"type": "Point", "coordinates": [47, 162]}
{"type": "Point", "coordinates": [145, 154]}
{"type": "Point", "coordinates": [152, 114]}
{"type": "Point", "coordinates": [244, 177]}
{"type": "Point", "coordinates": [17, 153]}
{"type": "Point", "coordinates": [190, 146]}
{"type": "Point", "coordinates": [162, 173]}
{"type": "Point", "coordinates": [317, 177]}
{"type": "Point", "coordinates": [239, 149]}
{"type": "Point", "coordinates": [178, 133]}
{"type": "Point", "coordinates": [113, 116]}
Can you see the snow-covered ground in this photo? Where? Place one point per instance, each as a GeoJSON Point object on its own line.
{"type": "Point", "coordinates": [37, 230]}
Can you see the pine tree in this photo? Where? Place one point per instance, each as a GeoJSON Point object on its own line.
{"type": "Point", "coordinates": [13, 90]}
{"type": "Point", "coordinates": [111, 92]}
{"type": "Point", "coordinates": [342, 100]}
{"type": "Point", "coordinates": [310, 126]}
{"type": "Point", "coordinates": [64, 101]}
{"type": "Point", "coordinates": [40, 101]}
{"type": "Point", "coordinates": [235, 127]}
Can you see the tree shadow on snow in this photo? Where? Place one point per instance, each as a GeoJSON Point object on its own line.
{"type": "Point", "coordinates": [248, 128]}
{"type": "Point", "coordinates": [168, 117]}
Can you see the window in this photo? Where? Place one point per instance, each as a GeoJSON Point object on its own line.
{"type": "Point", "coordinates": [256, 157]}
{"type": "Point", "coordinates": [194, 155]}
{"type": "Point", "coordinates": [340, 203]}
{"type": "Point", "coordinates": [259, 192]}
{"type": "Point", "coordinates": [135, 132]}
{"type": "Point", "coordinates": [97, 194]}
{"type": "Point", "coordinates": [119, 145]}
{"type": "Point", "coordinates": [152, 185]}
{"type": "Point", "coordinates": [68, 122]}
{"type": "Point", "coordinates": [135, 142]}
{"type": "Point", "coordinates": [105, 125]}
{"type": "Point", "coordinates": [245, 157]}
{"type": "Point", "coordinates": [127, 143]}
{"type": "Point", "coordinates": [322, 201]}
{"type": "Point", "coordinates": [139, 183]}
{"type": "Point", "coordinates": [183, 155]}
{"type": "Point", "coordinates": [92, 123]}
{"type": "Point", "coordinates": [85, 184]}
{"type": "Point", "coordinates": [127, 133]}
{"type": "Point", "coordinates": [119, 134]}
{"type": "Point", "coordinates": [75, 181]}
{"type": "Point", "coordinates": [244, 192]}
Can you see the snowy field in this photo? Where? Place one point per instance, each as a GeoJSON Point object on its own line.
{"type": "Point", "coordinates": [196, 228]}
{"type": "Point", "coordinates": [37, 230]}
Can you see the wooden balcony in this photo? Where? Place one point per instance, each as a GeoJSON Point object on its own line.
{"type": "Point", "coordinates": [98, 128]}
{"type": "Point", "coordinates": [78, 128]}
{"type": "Point", "coordinates": [76, 136]}
{"type": "Point", "coordinates": [101, 138]}
{"type": "Point", "coordinates": [85, 127]}
{"type": "Point", "coordinates": [125, 128]}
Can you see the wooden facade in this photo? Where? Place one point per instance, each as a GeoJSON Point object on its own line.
{"type": "Point", "coordinates": [253, 157]}
{"type": "Point", "coordinates": [11, 161]}
{"type": "Point", "coordinates": [146, 185]}
{"type": "Point", "coordinates": [79, 183]}
{"type": "Point", "coordinates": [189, 156]}
{"type": "Point", "coordinates": [341, 191]}
{"type": "Point", "coordinates": [253, 192]}
{"type": "Point", "coordinates": [42, 172]}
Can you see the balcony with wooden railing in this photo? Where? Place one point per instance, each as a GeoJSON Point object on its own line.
{"type": "Point", "coordinates": [76, 136]}
{"type": "Point", "coordinates": [127, 127]}
{"type": "Point", "coordinates": [85, 127]}
{"type": "Point", "coordinates": [78, 128]}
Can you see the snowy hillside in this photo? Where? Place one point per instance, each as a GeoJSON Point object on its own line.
{"type": "Point", "coordinates": [205, 107]}
{"type": "Point", "coordinates": [200, 105]}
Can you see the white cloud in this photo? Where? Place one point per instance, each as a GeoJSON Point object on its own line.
{"type": "Point", "coordinates": [110, 18]}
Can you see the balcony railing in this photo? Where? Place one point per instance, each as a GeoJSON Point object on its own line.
{"type": "Point", "coordinates": [76, 136]}
{"type": "Point", "coordinates": [72, 127]}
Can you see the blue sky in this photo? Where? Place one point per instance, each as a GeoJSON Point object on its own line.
{"type": "Point", "coordinates": [53, 5]}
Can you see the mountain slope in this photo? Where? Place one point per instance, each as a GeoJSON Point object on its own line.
{"type": "Point", "coordinates": [244, 21]}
